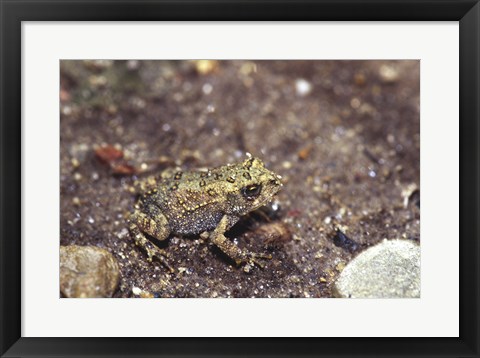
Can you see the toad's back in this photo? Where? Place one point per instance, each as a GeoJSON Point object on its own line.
{"type": "Point", "coordinates": [195, 201]}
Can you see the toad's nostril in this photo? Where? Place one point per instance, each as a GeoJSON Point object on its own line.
{"type": "Point", "coordinates": [275, 182]}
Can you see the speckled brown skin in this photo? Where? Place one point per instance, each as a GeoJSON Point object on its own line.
{"type": "Point", "coordinates": [204, 201]}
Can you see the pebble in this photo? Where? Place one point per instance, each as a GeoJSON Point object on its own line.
{"type": "Point", "coordinates": [389, 74]}
{"type": "Point", "coordinates": [343, 241]}
{"type": "Point", "coordinates": [248, 68]}
{"type": "Point", "coordinates": [97, 81]}
{"type": "Point", "coordinates": [340, 266]}
{"type": "Point", "coordinates": [75, 163]}
{"type": "Point", "coordinates": [390, 269]}
{"type": "Point", "coordinates": [360, 79]}
{"type": "Point", "coordinates": [133, 65]}
{"type": "Point", "coordinates": [207, 88]}
{"type": "Point", "coordinates": [87, 271]}
{"type": "Point", "coordinates": [67, 110]}
{"type": "Point", "coordinates": [304, 152]}
{"type": "Point", "coordinates": [302, 87]}
{"type": "Point", "coordinates": [275, 233]}
{"type": "Point", "coordinates": [407, 193]}
{"type": "Point", "coordinates": [136, 291]}
{"type": "Point", "coordinates": [204, 67]}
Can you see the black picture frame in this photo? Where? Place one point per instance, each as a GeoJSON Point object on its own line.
{"type": "Point", "coordinates": [13, 12]}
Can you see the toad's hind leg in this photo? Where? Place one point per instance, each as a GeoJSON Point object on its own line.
{"type": "Point", "coordinates": [140, 223]}
{"type": "Point", "coordinates": [232, 250]}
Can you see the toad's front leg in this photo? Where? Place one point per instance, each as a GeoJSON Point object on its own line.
{"type": "Point", "coordinates": [157, 227]}
{"type": "Point", "coordinates": [232, 250]}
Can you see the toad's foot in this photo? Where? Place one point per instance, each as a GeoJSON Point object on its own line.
{"type": "Point", "coordinates": [251, 259]}
{"type": "Point", "coordinates": [152, 250]}
{"type": "Point", "coordinates": [161, 256]}
{"type": "Point", "coordinates": [233, 251]}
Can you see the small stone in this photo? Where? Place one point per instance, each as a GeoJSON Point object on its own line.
{"type": "Point", "coordinates": [64, 95]}
{"type": "Point", "coordinates": [330, 272]}
{"type": "Point", "coordinates": [133, 65]}
{"type": "Point", "coordinates": [275, 233]}
{"type": "Point", "coordinates": [340, 266]}
{"type": "Point", "coordinates": [304, 152]}
{"type": "Point", "coordinates": [355, 103]}
{"type": "Point", "coordinates": [390, 269]}
{"type": "Point", "coordinates": [408, 192]}
{"type": "Point", "coordinates": [343, 241]}
{"type": "Point", "coordinates": [136, 291]}
{"type": "Point", "coordinates": [360, 79]}
{"type": "Point", "coordinates": [207, 88]}
{"type": "Point", "coordinates": [97, 81]}
{"type": "Point", "coordinates": [108, 153]}
{"type": "Point", "coordinates": [67, 110]}
{"type": "Point", "coordinates": [97, 65]}
{"type": "Point", "coordinates": [302, 87]}
{"type": "Point", "coordinates": [389, 74]}
{"type": "Point", "coordinates": [75, 163]}
{"type": "Point", "coordinates": [112, 109]}
{"type": "Point", "coordinates": [204, 67]}
{"type": "Point", "coordinates": [87, 271]}
{"type": "Point", "coordinates": [145, 294]}
{"type": "Point", "coordinates": [247, 68]}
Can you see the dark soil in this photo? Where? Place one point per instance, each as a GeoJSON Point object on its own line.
{"type": "Point", "coordinates": [346, 142]}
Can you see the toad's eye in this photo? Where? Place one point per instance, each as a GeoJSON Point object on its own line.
{"type": "Point", "coordinates": [250, 192]}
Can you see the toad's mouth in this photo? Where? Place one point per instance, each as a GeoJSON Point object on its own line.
{"type": "Point", "coordinates": [259, 202]}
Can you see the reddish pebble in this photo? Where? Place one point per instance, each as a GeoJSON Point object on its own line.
{"type": "Point", "coordinates": [108, 154]}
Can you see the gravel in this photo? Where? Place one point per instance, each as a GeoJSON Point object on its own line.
{"type": "Point", "coordinates": [344, 136]}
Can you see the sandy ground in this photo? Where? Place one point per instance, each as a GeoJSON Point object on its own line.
{"type": "Point", "coordinates": [344, 135]}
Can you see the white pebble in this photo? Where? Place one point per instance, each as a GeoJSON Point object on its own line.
{"type": "Point", "coordinates": [389, 74]}
{"type": "Point", "coordinates": [67, 110]}
{"type": "Point", "coordinates": [303, 87]}
{"type": "Point", "coordinates": [207, 88]}
{"type": "Point", "coordinates": [136, 291]}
